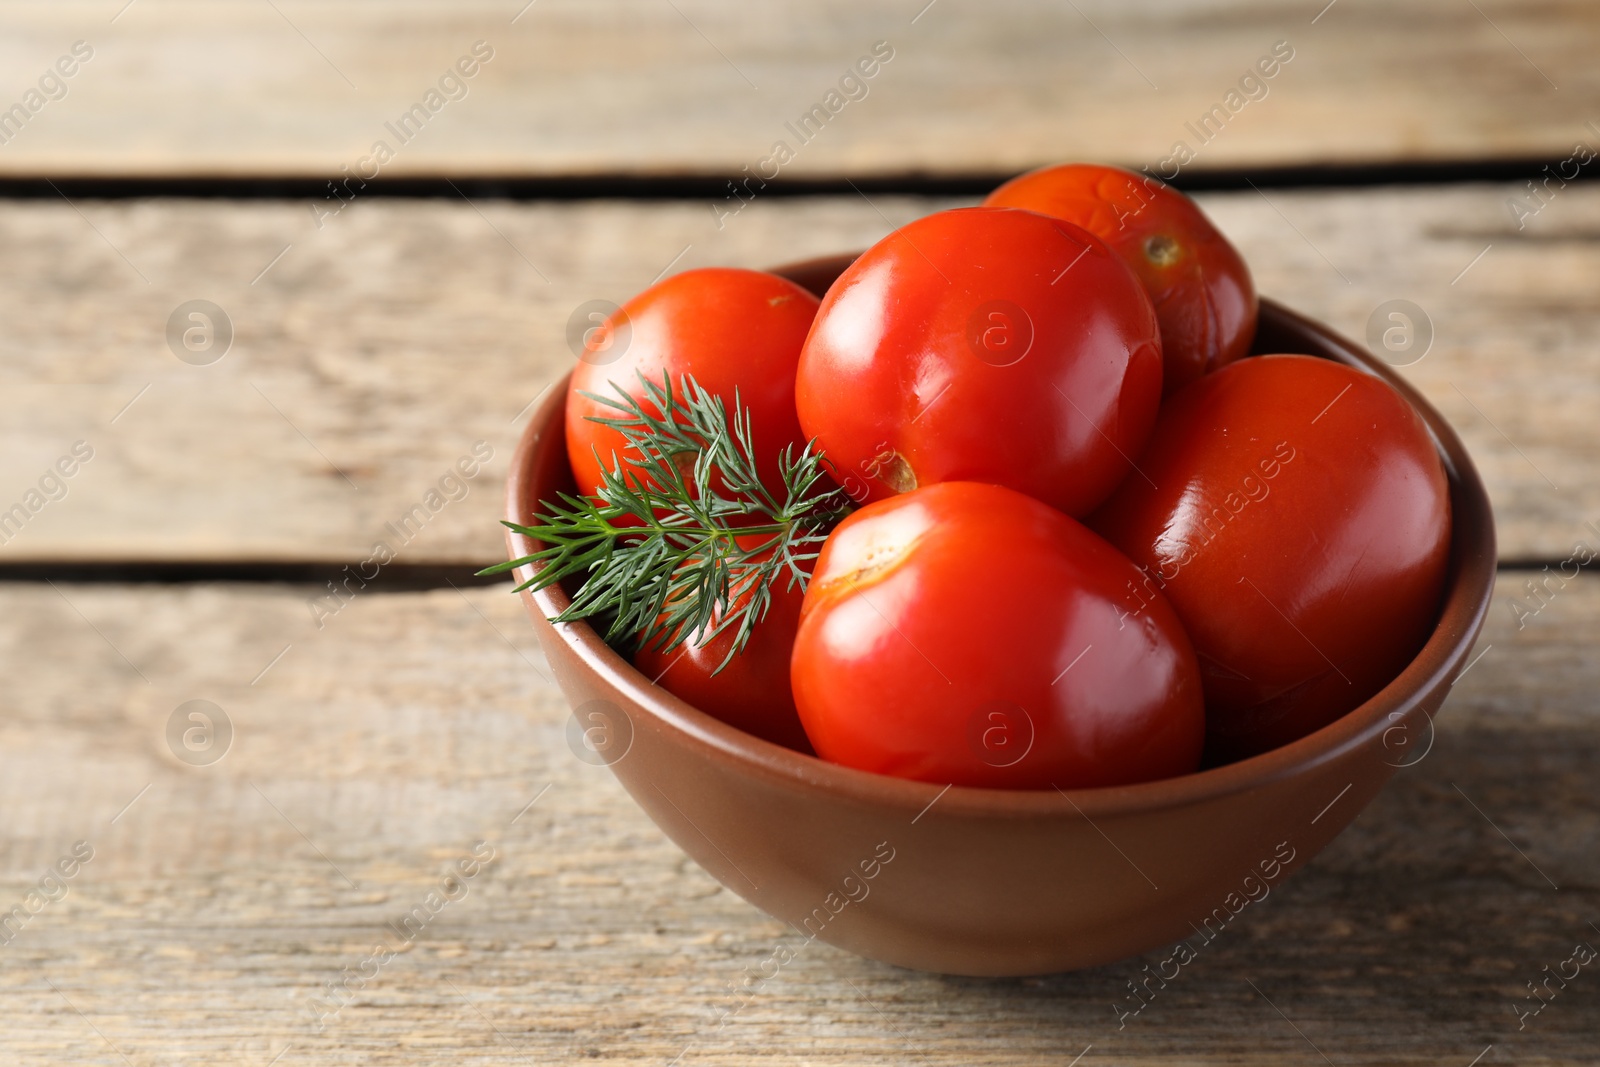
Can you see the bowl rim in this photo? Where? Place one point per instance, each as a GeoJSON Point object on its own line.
{"type": "Point", "coordinates": [1470, 583]}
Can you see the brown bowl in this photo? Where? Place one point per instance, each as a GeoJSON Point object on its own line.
{"type": "Point", "coordinates": [995, 882]}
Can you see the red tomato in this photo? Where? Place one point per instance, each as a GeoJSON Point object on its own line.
{"type": "Point", "coordinates": [752, 691]}
{"type": "Point", "coordinates": [983, 345]}
{"type": "Point", "coordinates": [1203, 294]}
{"type": "Point", "coordinates": [731, 329]}
{"type": "Point", "coordinates": [1295, 513]}
{"type": "Point", "coordinates": [966, 633]}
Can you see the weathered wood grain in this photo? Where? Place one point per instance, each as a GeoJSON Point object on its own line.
{"type": "Point", "coordinates": [635, 86]}
{"type": "Point", "coordinates": [371, 356]}
{"type": "Point", "coordinates": [377, 751]}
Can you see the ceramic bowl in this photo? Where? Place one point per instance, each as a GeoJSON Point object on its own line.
{"type": "Point", "coordinates": [994, 882]}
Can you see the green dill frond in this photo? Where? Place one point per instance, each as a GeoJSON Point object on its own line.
{"type": "Point", "coordinates": [658, 549]}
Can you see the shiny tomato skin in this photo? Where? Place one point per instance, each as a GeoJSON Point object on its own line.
{"type": "Point", "coordinates": [752, 692]}
{"type": "Point", "coordinates": [731, 329]}
{"type": "Point", "coordinates": [1296, 514]}
{"type": "Point", "coordinates": [1201, 287]}
{"type": "Point", "coordinates": [983, 344]}
{"type": "Point", "coordinates": [965, 633]}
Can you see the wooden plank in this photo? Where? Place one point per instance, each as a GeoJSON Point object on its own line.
{"type": "Point", "coordinates": [299, 88]}
{"type": "Point", "coordinates": [372, 354]}
{"type": "Point", "coordinates": [222, 899]}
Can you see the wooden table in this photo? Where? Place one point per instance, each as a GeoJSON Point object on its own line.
{"type": "Point", "coordinates": [220, 902]}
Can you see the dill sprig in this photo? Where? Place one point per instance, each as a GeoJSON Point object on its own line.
{"type": "Point", "coordinates": [684, 535]}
